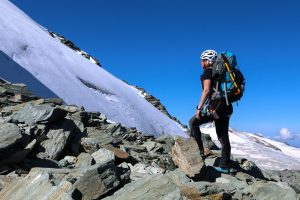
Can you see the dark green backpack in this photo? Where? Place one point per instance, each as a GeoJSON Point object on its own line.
{"type": "Point", "coordinates": [228, 80]}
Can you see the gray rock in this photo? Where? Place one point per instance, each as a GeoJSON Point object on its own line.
{"type": "Point", "coordinates": [32, 114]}
{"type": "Point", "coordinates": [58, 136]}
{"type": "Point", "coordinates": [178, 177]}
{"type": "Point", "coordinates": [19, 155]}
{"type": "Point", "coordinates": [90, 145]}
{"type": "Point", "coordinates": [9, 110]}
{"type": "Point", "coordinates": [19, 89]}
{"type": "Point", "coordinates": [63, 163]}
{"type": "Point", "coordinates": [167, 142]}
{"type": "Point", "coordinates": [150, 187]}
{"type": "Point", "coordinates": [84, 161]}
{"type": "Point", "coordinates": [44, 185]}
{"type": "Point", "coordinates": [233, 181]}
{"type": "Point", "coordinates": [6, 180]}
{"type": "Point", "coordinates": [54, 101]}
{"type": "Point", "coordinates": [150, 145]}
{"type": "Point", "coordinates": [271, 190]}
{"type": "Point", "coordinates": [139, 157]}
{"type": "Point", "coordinates": [207, 190]}
{"type": "Point", "coordinates": [123, 174]}
{"type": "Point", "coordinates": [97, 180]}
{"type": "Point", "coordinates": [80, 116]}
{"type": "Point", "coordinates": [244, 177]}
{"type": "Point", "coordinates": [70, 159]}
{"type": "Point", "coordinates": [291, 177]}
{"type": "Point", "coordinates": [250, 168]}
{"type": "Point", "coordinates": [135, 148]}
{"type": "Point", "coordinates": [102, 117]}
{"type": "Point", "coordinates": [103, 155]}
{"type": "Point", "coordinates": [79, 125]}
{"type": "Point", "coordinates": [39, 129]}
{"type": "Point", "coordinates": [210, 161]}
{"type": "Point", "coordinates": [9, 135]}
{"type": "Point", "coordinates": [140, 170]}
{"type": "Point", "coordinates": [100, 136]}
{"type": "Point", "coordinates": [115, 130]}
{"type": "Point", "coordinates": [70, 108]}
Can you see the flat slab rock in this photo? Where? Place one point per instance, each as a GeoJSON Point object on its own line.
{"type": "Point", "coordinates": [45, 113]}
{"type": "Point", "coordinates": [167, 186]}
{"type": "Point", "coordinates": [36, 185]}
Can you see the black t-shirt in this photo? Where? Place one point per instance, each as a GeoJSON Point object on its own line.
{"type": "Point", "coordinates": [207, 74]}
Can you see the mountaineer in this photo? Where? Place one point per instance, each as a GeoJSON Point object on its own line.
{"type": "Point", "coordinates": [222, 83]}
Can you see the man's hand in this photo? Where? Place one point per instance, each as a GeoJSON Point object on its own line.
{"type": "Point", "coordinates": [198, 114]}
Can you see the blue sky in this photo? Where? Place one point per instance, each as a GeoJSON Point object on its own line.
{"type": "Point", "coordinates": [156, 45]}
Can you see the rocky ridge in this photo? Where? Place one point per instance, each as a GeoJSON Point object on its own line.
{"type": "Point", "coordinates": [49, 150]}
{"type": "Point", "coordinates": [70, 44]}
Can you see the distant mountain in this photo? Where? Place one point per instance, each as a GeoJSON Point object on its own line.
{"type": "Point", "coordinates": [265, 152]}
{"type": "Point", "coordinates": [30, 55]}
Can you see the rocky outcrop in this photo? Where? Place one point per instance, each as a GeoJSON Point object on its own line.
{"type": "Point", "coordinates": [70, 44]}
{"type": "Point", "coordinates": [49, 150]}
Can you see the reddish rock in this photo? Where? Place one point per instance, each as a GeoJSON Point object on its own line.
{"type": "Point", "coordinates": [118, 152]}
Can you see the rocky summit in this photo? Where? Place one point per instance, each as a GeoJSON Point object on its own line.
{"type": "Point", "coordinates": [49, 150]}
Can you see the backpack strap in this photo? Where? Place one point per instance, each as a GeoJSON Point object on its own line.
{"type": "Point", "coordinates": [230, 73]}
{"type": "Point", "coordinates": [225, 91]}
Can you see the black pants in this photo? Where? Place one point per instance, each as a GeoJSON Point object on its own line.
{"type": "Point", "coordinates": [221, 125]}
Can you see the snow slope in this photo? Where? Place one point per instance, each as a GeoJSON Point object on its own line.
{"type": "Point", "coordinates": [266, 153]}
{"type": "Point", "coordinates": [28, 54]}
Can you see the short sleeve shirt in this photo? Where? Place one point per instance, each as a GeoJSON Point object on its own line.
{"type": "Point", "coordinates": [207, 74]}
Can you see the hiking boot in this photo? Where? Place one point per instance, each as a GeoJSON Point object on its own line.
{"type": "Point", "coordinates": [224, 170]}
{"type": "Point", "coordinates": [202, 155]}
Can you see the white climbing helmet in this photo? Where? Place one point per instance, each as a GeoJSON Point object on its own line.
{"type": "Point", "coordinates": [209, 55]}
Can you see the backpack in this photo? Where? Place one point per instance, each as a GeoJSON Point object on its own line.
{"type": "Point", "coordinates": [228, 80]}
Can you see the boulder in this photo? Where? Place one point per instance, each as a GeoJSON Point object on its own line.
{"type": "Point", "coordinates": [103, 155]}
{"type": "Point", "coordinates": [44, 113]}
{"type": "Point", "coordinates": [186, 155]}
{"type": "Point", "coordinates": [97, 181]}
{"type": "Point", "coordinates": [57, 138]}
{"type": "Point", "coordinates": [9, 135]}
